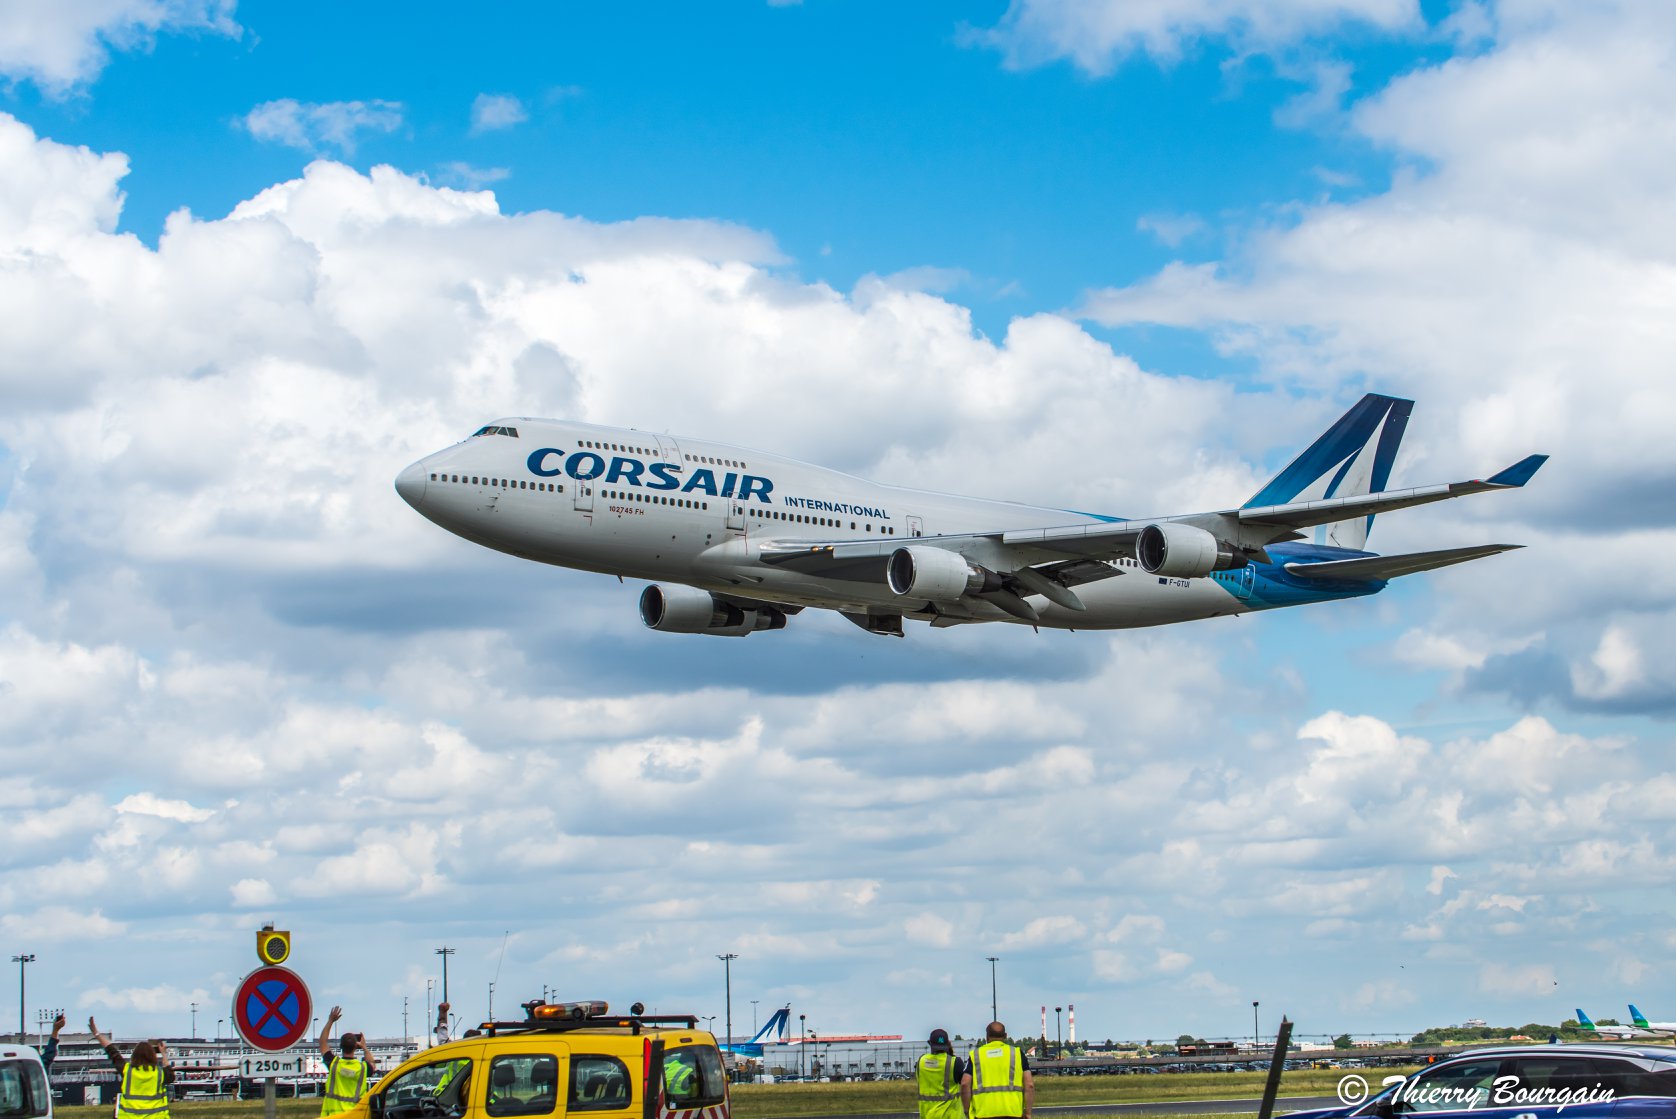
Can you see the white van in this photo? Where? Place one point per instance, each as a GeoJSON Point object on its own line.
{"type": "Point", "coordinates": [24, 1092]}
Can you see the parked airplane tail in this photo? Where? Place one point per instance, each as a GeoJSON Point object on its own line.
{"type": "Point", "coordinates": [1354, 457]}
{"type": "Point", "coordinates": [1583, 1020]}
{"type": "Point", "coordinates": [775, 1028]}
{"type": "Point", "coordinates": [1637, 1017]}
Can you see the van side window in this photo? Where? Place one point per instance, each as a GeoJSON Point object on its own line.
{"type": "Point", "coordinates": [598, 1083]}
{"type": "Point", "coordinates": [693, 1076]}
{"type": "Point", "coordinates": [23, 1090]}
{"type": "Point", "coordinates": [523, 1084]}
{"type": "Point", "coordinates": [429, 1090]}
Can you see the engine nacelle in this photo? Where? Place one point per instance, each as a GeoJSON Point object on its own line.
{"type": "Point", "coordinates": [678, 609]}
{"type": "Point", "coordinates": [1182, 551]}
{"type": "Point", "coordinates": [936, 574]}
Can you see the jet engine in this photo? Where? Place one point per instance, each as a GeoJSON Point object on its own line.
{"type": "Point", "coordinates": [678, 609]}
{"type": "Point", "coordinates": [1182, 551]}
{"type": "Point", "coordinates": [936, 574]}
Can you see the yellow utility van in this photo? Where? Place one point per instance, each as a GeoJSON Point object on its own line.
{"type": "Point", "coordinates": [563, 1059]}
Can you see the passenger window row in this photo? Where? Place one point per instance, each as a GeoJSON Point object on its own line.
{"type": "Point", "coordinates": [620, 448]}
{"type": "Point", "coordinates": [654, 499]}
{"type": "Point", "coordinates": [711, 460]}
{"type": "Point", "coordinates": [503, 483]}
{"type": "Point", "coordinates": [828, 522]}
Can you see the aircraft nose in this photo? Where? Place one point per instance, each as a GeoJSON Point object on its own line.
{"type": "Point", "coordinates": [411, 483]}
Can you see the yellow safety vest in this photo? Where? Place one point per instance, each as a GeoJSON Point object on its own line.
{"type": "Point", "coordinates": [679, 1079]}
{"type": "Point", "coordinates": [144, 1095]}
{"type": "Point", "coordinates": [997, 1081]}
{"type": "Point", "coordinates": [939, 1093]}
{"type": "Point", "coordinates": [346, 1083]}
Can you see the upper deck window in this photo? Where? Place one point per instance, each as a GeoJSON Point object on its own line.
{"type": "Point", "coordinates": [492, 429]}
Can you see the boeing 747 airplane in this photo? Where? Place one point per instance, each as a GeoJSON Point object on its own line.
{"type": "Point", "coordinates": [734, 541]}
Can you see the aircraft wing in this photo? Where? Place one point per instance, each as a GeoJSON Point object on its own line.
{"type": "Point", "coordinates": [1048, 561]}
{"type": "Point", "coordinates": [1305, 514]}
{"type": "Point", "coordinates": [1251, 528]}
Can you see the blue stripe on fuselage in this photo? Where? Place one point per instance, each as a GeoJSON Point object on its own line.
{"type": "Point", "coordinates": [1274, 586]}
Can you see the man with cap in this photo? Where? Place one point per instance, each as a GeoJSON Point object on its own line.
{"type": "Point", "coordinates": [939, 1073]}
{"type": "Point", "coordinates": [346, 1074]}
{"type": "Point", "coordinates": [997, 1084]}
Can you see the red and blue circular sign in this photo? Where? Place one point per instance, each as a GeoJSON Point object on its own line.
{"type": "Point", "coordinates": [271, 1009]}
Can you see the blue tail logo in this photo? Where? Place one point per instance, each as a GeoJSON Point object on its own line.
{"type": "Point", "coordinates": [1354, 457]}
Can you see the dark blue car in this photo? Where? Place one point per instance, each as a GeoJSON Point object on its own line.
{"type": "Point", "coordinates": [1523, 1082]}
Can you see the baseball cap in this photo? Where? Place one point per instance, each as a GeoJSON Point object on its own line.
{"type": "Point", "coordinates": [939, 1039]}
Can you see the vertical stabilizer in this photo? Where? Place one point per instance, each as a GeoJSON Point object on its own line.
{"type": "Point", "coordinates": [1354, 457]}
{"type": "Point", "coordinates": [774, 1029]}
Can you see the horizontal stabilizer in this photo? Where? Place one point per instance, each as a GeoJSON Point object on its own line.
{"type": "Point", "coordinates": [1377, 568]}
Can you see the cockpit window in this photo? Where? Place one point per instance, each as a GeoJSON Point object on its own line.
{"type": "Point", "coordinates": [492, 429]}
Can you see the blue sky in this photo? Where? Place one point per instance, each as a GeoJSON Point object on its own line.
{"type": "Point", "coordinates": [1103, 256]}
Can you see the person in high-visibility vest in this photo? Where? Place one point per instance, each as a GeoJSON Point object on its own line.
{"type": "Point", "coordinates": [997, 1084]}
{"type": "Point", "coordinates": [144, 1078]}
{"type": "Point", "coordinates": [680, 1076]}
{"type": "Point", "coordinates": [346, 1074]}
{"type": "Point", "coordinates": [939, 1074]}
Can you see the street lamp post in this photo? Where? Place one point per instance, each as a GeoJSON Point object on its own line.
{"type": "Point", "coordinates": [727, 978]}
{"type": "Point", "coordinates": [445, 953]}
{"type": "Point", "coordinates": [22, 962]}
{"type": "Point", "coordinates": [753, 1017]}
{"type": "Point", "coordinates": [1058, 1033]}
{"type": "Point", "coordinates": [1256, 1036]}
{"type": "Point", "coordinates": [994, 1014]}
{"type": "Point", "coordinates": [803, 1042]}
{"type": "Point", "coordinates": [218, 1024]}
{"type": "Point", "coordinates": [194, 1021]}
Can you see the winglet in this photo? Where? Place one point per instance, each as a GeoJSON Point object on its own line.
{"type": "Point", "coordinates": [1520, 472]}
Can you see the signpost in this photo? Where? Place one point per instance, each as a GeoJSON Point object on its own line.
{"type": "Point", "coordinates": [271, 1012]}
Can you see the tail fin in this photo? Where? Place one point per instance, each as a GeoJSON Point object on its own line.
{"type": "Point", "coordinates": [1354, 457]}
{"type": "Point", "coordinates": [775, 1025]}
{"type": "Point", "coordinates": [1583, 1020]}
{"type": "Point", "coordinates": [1637, 1017]}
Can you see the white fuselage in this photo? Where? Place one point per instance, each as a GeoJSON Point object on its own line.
{"type": "Point", "coordinates": [697, 512]}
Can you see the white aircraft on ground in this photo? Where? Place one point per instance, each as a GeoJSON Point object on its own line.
{"type": "Point", "coordinates": [736, 540]}
{"type": "Point", "coordinates": [1640, 1020]}
{"type": "Point", "coordinates": [1640, 1030]}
